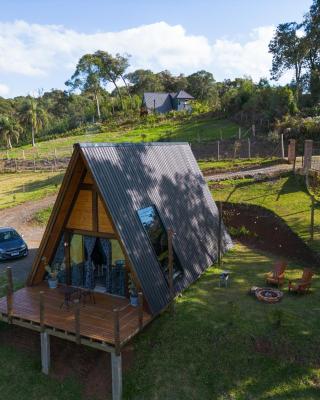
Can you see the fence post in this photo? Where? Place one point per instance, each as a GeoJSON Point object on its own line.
{"type": "Point", "coordinates": [140, 310]}
{"type": "Point", "coordinates": [77, 320]}
{"type": "Point", "coordinates": [307, 157]}
{"type": "Point", "coordinates": [9, 293]}
{"type": "Point", "coordinates": [312, 218]}
{"type": "Point", "coordinates": [249, 148]}
{"type": "Point", "coordinates": [239, 132]}
{"type": "Point", "coordinates": [292, 151]}
{"type": "Point", "coordinates": [116, 324]}
{"type": "Point", "coordinates": [282, 146]}
{"type": "Point", "coordinates": [218, 150]}
{"type": "Point", "coordinates": [219, 233]}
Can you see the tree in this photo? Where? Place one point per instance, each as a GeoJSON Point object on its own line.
{"type": "Point", "coordinates": [172, 83]}
{"type": "Point", "coordinates": [202, 85]}
{"type": "Point", "coordinates": [10, 130]}
{"type": "Point", "coordinates": [111, 69]}
{"type": "Point", "coordinates": [87, 78]}
{"type": "Point", "coordinates": [288, 49]}
{"type": "Point", "coordinates": [144, 80]}
{"type": "Point", "coordinates": [311, 25]}
{"type": "Point", "coordinates": [34, 117]}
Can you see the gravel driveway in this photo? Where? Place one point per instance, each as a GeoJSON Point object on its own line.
{"type": "Point", "coordinates": [19, 218]}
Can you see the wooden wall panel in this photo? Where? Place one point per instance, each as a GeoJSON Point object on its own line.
{"type": "Point", "coordinates": [59, 213]}
{"type": "Point", "coordinates": [88, 178]}
{"type": "Point", "coordinates": [104, 222]}
{"type": "Point", "coordinates": [81, 215]}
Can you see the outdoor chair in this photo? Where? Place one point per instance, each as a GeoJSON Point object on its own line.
{"type": "Point", "coordinates": [276, 277]}
{"type": "Point", "coordinates": [302, 285]}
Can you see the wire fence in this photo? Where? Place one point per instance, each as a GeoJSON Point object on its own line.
{"type": "Point", "coordinates": [243, 144]}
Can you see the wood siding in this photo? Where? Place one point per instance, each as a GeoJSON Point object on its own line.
{"type": "Point", "coordinates": [105, 225]}
{"type": "Point", "coordinates": [81, 215]}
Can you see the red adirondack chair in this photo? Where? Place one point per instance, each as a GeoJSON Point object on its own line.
{"type": "Point", "coordinates": [302, 285]}
{"type": "Point", "coordinates": [276, 277]}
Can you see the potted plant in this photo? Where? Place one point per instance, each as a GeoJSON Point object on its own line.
{"type": "Point", "coordinates": [134, 300]}
{"type": "Point", "coordinates": [52, 274]}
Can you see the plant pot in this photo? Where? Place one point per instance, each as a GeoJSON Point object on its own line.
{"type": "Point", "coordinates": [134, 300]}
{"type": "Point", "coordinates": [52, 283]}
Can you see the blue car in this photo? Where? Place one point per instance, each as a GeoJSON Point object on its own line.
{"type": "Point", "coordinates": [11, 244]}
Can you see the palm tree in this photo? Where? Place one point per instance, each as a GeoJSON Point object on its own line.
{"type": "Point", "coordinates": [10, 130]}
{"type": "Point", "coordinates": [33, 116]}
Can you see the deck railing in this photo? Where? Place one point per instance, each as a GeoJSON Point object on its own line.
{"type": "Point", "coordinates": [115, 313]}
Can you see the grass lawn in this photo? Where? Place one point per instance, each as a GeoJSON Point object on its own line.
{"type": "Point", "coordinates": [236, 164]}
{"type": "Point", "coordinates": [223, 344]}
{"type": "Point", "coordinates": [285, 196]}
{"type": "Point", "coordinates": [188, 131]}
{"type": "Point", "coordinates": [17, 188]}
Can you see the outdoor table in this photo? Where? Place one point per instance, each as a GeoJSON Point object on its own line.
{"type": "Point", "coordinates": [68, 292]}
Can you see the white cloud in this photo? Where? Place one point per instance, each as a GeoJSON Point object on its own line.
{"type": "Point", "coordinates": [4, 89]}
{"type": "Point", "coordinates": [32, 49]}
{"type": "Point", "coordinates": [44, 51]}
{"type": "Point", "coordinates": [234, 59]}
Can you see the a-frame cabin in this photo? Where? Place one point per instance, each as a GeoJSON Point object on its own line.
{"type": "Point", "coordinates": [127, 216]}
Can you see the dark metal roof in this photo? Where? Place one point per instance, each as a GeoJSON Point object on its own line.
{"type": "Point", "coordinates": [134, 176]}
{"type": "Point", "coordinates": [160, 102]}
{"type": "Point", "coordinates": [183, 95]}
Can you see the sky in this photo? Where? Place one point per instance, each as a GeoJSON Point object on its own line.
{"type": "Point", "coordinates": [42, 40]}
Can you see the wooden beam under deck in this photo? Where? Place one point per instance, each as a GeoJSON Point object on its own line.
{"type": "Point", "coordinates": [96, 320]}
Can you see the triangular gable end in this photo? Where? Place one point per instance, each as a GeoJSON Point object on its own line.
{"type": "Point", "coordinates": [74, 210]}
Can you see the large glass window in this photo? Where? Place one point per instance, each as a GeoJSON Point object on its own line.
{"type": "Point", "coordinates": [155, 229]}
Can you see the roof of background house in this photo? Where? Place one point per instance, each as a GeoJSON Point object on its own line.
{"type": "Point", "coordinates": [134, 176]}
{"type": "Point", "coordinates": [162, 102]}
{"type": "Point", "coordinates": [183, 95]}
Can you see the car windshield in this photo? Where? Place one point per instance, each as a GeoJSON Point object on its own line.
{"type": "Point", "coordinates": [6, 236]}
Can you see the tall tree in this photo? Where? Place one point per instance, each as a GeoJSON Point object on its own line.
{"type": "Point", "coordinates": [33, 117]}
{"type": "Point", "coordinates": [10, 130]}
{"type": "Point", "coordinates": [112, 69]}
{"type": "Point", "coordinates": [202, 85]}
{"type": "Point", "coordinates": [87, 78]}
{"type": "Point", "coordinates": [288, 49]}
{"type": "Point", "coordinates": [144, 80]}
{"type": "Point", "coordinates": [311, 25]}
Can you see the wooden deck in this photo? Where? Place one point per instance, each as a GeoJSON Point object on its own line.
{"type": "Point", "coordinates": [97, 321]}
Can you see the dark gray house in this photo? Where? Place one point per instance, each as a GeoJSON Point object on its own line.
{"type": "Point", "coordinates": [165, 102]}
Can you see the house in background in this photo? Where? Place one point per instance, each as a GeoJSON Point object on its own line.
{"type": "Point", "coordinates": [165, 102]}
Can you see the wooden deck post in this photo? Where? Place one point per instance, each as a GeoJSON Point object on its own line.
{"type": "Point", "coordinates": [116, 368]}
{"type": "Point", "coordinates": [42, 311]}
{"type": "Point", "coordinates": [9, 293]}
{"type": "Point", "coordinates": [140, 310]}
{"type": "Point", "coordinates": [77, 320]}
{"type": "Point", "coordinates": [116, 331]}
{"type": "Point", "coordinates": [45, 352]}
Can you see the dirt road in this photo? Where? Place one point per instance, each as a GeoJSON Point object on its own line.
{"type": "Point", "coordinates": [271, 171]}
{"type": "Point", "coordinates": [19, 218]}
